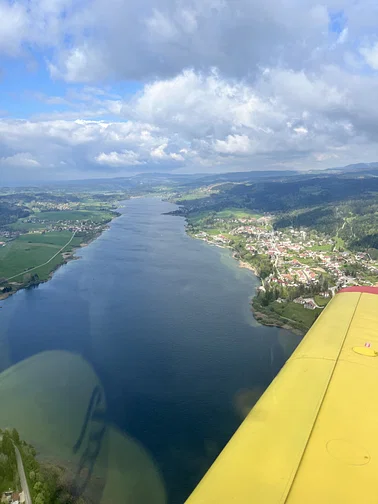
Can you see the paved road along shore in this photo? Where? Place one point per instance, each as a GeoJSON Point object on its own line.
{"type": "Point", "coordinates": [21, 472]}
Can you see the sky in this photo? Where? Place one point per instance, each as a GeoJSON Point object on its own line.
{"type": "Point", "coordinates": [104, 88]}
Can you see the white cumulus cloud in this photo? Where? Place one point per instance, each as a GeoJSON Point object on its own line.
{"type": "Point", "coordinates": [220, 84]}
{"type": "Point", "coordinates": [21, 159]}
{"type": "Point", "coordinates": [370, 55]}
{"type": "Point", "coordinates": [125, 158]}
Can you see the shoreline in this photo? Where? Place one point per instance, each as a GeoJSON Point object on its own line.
{"type": "Point", "coordinates": [67, 257]}
{"type": "Point", "coordinates": [261, 317]}
{"type": "Point", "coordinates": [247, 266]}
{"type": "Point", "coordinates": [266, 320]}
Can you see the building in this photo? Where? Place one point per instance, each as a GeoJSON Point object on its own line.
{"type": "Point", "coordinates": [309, 304]}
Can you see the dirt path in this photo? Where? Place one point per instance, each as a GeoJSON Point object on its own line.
{"type": "Point", "coordinates": [44, 264]}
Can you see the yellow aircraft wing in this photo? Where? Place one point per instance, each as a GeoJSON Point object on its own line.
{"type": "Point", "coordinates": [312, 438]}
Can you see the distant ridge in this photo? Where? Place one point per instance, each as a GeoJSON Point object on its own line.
{"type": "Point", "coordinates": [149, 178]}
{"type": "Point", "coordinates": [357, 167]}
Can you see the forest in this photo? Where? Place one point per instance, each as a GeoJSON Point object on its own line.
{"type": "Point", "coordinates": [341, 206]}
{"type": "Point", "coordinates": [11, 213]}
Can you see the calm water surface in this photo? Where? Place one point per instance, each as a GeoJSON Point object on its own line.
{"type": "Point", "coordinates": [160, 324]}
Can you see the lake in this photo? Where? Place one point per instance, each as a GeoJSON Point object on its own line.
{"type": "Point", "coordinates": [134, 365]}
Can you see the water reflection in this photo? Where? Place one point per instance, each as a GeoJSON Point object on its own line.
{"type": "Point", "coordinates": [125, 366]}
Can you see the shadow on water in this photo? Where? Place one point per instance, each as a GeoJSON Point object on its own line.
{"type": "Point", "coordinates": [133, 366]}
{"type": "Point", "coordinates": [95, 414]}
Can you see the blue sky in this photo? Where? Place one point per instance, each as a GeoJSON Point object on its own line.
{"type": "Point", "coordinates": [337, 21]}
{"type": "Point", "coordinates": [92, 88]}
{"type": "Point", "coordinates": [28, 87]}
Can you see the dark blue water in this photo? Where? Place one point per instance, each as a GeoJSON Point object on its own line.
{"type": "Point", "coordinates": [164, 321]}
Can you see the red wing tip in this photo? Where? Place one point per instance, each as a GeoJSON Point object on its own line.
{"type": "Point", "coordinates": [368, 290]}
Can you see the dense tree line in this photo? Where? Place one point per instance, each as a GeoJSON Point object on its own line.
{"type": "Point", "coordinates": [272, 293]}
{"type": "Point", "coordinates": [323, 220]}
{"type": "Point", "coordinates": [11, 213]}
{"type": "Point", "coordinates": [342, 205]}
{"type": "Point", "coordinates": [285, 195]}
{"type": "Point", "coordinates": [367, 242]}
{"type": "Point", "coordinates": [261, 262]}
{"type": "Point", "coordinates": [8, 463]}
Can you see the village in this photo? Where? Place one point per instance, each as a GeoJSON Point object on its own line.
{"type": "Point", "coordinates": [76, 226]}
{"type": "Point", "coordinates": [45, 205]}
{"type": "Point", "coordinates": [45, 226]}
{"type": "Point", "coordinates": [298, 257]}
{"type": "Point", "coordinates": [43, 237]}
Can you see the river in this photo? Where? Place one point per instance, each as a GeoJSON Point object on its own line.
{"type": "Point", "coordinates": [134, 365]}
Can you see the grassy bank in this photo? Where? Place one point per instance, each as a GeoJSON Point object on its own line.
{"type": "Point", "coordinates": [288, 315]}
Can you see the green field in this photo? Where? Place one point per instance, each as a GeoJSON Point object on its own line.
{"type": "Point", "coordinates": [229, 213]}
{"type": "Point", "coordinates": [32, 250]}
{"type": "Point", "coordinates": [214, 231]}
{"type": "Point", "coordinates": [237, 213]}
{"type": "Point", "coordinates": [58, 238]}
{"type": "Point", "coordinates": [371, 278]}
{"type": "Point", "coordinates": [303, 260]}
{"type": "Point", "coordinates": [21, 225]}
{"type": "Point", "coordinates": [322, 248]}
{"type": "Point", "coordinates": [296, 312]}
{"type": "Point", "coordinates": [96, 216]}
{"type": "Point", "coordinates": [75, 215]}
{"type": "Point", "coordinates": [196, 217]}
{"type": "Point", "coordinates": [321, 301]}
{"type": "Point", "coordinates": [193, 196]}
{"type": "Point", "coordinates": [43, 272]}
{"type": "Point", "coordinates": [29, 251]}
{"type": "Point", "coordinates": [339, 243]}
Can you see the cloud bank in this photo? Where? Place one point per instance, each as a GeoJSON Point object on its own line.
{"type": "Point", "coordinates": [221, 85]}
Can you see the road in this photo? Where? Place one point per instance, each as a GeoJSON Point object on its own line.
{"type": "Point", "coordinates": [44, 264]}
{"type": "Point", "coordinates": [337, 234]}
{"type": "Point", "coordinates": [276, 264]}
{"type": "Point", "coordinates": [21, 472]}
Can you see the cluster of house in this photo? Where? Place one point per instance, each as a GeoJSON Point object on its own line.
{"type": "Point", "coordinates": [56, 207]}
{"type": "Point", "coordinates": [282, 246]}
{"type": "Point", "coordinates": [72, 226]}
{"type": "Point", "coordinates": [221, 239]}
{"type": "Point", "coordinates": [83, 226]}
{"type": "Point", "coordinates": [287, 249]}
{"type": "Point", "coordinates": [8, 235]}
{"type": "Point", "coordinates": [12, 497]}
